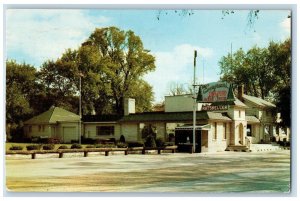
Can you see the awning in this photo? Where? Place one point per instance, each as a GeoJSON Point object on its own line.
{"type": "Point", "coordinates": [198, 127]}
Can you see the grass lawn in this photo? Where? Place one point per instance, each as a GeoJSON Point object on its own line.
{"type": "Point", "coordinates": [10, 144]}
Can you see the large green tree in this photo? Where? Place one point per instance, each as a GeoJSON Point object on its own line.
{"type": "Point", "coordinates": [111, 63]}
{"type": "Point", "coordinates": [265, 73]}
{"type": "Point", "coordinates": [20, 87]}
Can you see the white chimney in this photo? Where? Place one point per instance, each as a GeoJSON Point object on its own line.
{"type": "Point", "coordinates": [129, 106]}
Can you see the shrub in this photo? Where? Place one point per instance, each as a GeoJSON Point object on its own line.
{"type": "Point", "coordinates": [13, 147]}
{"type": "Point", "coordinates": [105, 146]}
{"type": "Point", "coordinates": [63, 147]}
{"type": "Point", "coordinates": [76, 146]}
{"type": "Point", "coordinates": [33, 147]}
{"type": "Point", "coordinates": [122, 145]}
{"type": "Point", "coordinates": [150, 141]}
{"type": "Point", "coordinates": [135, 144]}
{"type": "Point", "coordinates": [159, 142]}
{"type": "Point", "coordinates": [90, 146]}
{"type": "Point", "coordinates": [122, 139]}
{"type": "Point", "coordinates": [53, 140]}
{"type": "Point", "coordinates": [169, 144]}
{"type": "Point", "coordinates": [48, 147]}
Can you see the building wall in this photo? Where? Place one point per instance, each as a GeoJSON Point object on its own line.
{"type": "Point", "coordinates": [236, 113]}
{"type": "Point", "coordinates": [180, 103]}
{"type": "Point", "coordinates": [161, 130]}
{"type": "Point", "coordinates": [36, 132]}
{"type": "Point", "coordinates": [90, 130]}
{"type": "Point", "coordinates": [219, 143]}
{"type": "Point", "coordinates": [60, 127]}
{"type": "Point", "coordinates": [130, 131]}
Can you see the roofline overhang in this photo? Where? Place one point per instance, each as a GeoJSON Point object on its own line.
{"type": "Point", "coordinates": [100, 122]}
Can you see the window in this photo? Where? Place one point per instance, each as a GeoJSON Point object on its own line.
{"type": "Point", "coordinates": [216, 128]}
{"type": "Point", "coordinates": [30, 128]}
{"type": "Point", "coordinates": [249, 130]}
{"type": "Point", "coordinates": [224, 131]}
{"type": "Point", "coordinates": [240, 113]}
{"type": "Point", "coordinates": [41, 128]}
{"type": "Point", "coordinates": [105, 130]}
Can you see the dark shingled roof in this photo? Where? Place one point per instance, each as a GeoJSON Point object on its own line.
{"type": "Point", "coordinates": [101, 118]}
{"type": "Point", "coordinates": [173, 116]}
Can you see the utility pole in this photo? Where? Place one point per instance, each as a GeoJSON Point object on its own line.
{"type": "Point", "coordinates": [80, 115]}
{"type": "Point", "coordinates": [194, 104]}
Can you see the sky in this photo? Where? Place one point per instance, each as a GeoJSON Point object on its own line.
{"type": "Point", "coordinates": [36, 35]}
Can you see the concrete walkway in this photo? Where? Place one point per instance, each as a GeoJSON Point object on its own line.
{"type": "Point", "coordinates": [215, 172]}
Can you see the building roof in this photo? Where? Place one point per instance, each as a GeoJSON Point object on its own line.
{"type": "Point", "coordinates": [252, 119]}
{"type": "Point", "coordinates": [101, 118]}
{"type": "Point", "coordinates": [53, 115]}
{"type": "Point", "coordinates": [236, 102]}
{"type": "Point", "coordinates": [258, 101]}
{"type": "Point", "coordinates": [173, 116]}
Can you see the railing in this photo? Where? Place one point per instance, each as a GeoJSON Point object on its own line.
{"type": "Point", "coordinates": [61, 152]}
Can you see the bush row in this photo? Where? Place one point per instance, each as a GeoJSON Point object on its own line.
{"type": "Point", "coordinates": [149, 142]}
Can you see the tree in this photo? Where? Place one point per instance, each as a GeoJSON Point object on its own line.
{"type": "Point", "coordinates": [111, 63]}
{"type": "Point", "coordinates": [122, 60]}
{"type": "Point", "coordinates": [20, 85]}
{"type": "Point", "coordinates": [265, 73]}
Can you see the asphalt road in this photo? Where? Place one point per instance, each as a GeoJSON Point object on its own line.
{"type": "Point", "coordinates": [261, 172]}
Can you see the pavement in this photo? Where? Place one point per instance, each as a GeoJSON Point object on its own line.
{"type": "Point", "coordinates": [222, 172]}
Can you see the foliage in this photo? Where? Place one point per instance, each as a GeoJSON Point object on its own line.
{"type": "Point", "coordinates": [122, 139]}
{"type": "Point", "coordinates": [111, 64]}
{"type": "Point", "coordinates": [14, 147]}
{"type": "Point", "coordinates": [265, 73]}
{"type": "Point", "coordinates": [159, 142]}
{"type": "Point", "coordinates": [105, 145]}
{"type": "Point", "coordinates": [48, 147]}
{"type": "Point", "coordinates": [76, 146]}
{"type": "Point", "coordinates": [33, 147]}
{"type": "Point", "coordinates": [183, 13]}
{"type": "Point", "coordinates": [122, 145]}
{"type": "Point", "coordinates": [63, 147]}
{"type": "Point", "coordinates": [150, 141]}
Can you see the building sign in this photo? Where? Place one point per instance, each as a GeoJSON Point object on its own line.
{"type": "Point", "coordinates": [214, 107]}
{"type": "Point", "coordinates": [215, 92]}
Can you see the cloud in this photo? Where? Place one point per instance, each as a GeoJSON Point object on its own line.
{"type": "Point", "coordinates": [41, 34]}
{"type": "Point", "coordinates": [175, 66]}
{"type": "Point", "coordinates": [286, 25]}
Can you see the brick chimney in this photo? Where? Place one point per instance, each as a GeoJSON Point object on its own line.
{"type": "Point", "coordinates": [240, 92]}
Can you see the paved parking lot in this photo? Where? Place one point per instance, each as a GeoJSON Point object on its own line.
{"type": "Point", "coordinates": [261, 172]}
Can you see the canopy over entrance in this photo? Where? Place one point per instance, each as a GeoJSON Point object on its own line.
{"type": "Point", "coordinates": [184, 137]}
{"type": "Point", "coordinates": [197, 127]}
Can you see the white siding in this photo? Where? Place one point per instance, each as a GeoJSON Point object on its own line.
{"type": "Point", "coordinates": [90, 130]}
{"type": "Point", "coordinates": [130, 131]}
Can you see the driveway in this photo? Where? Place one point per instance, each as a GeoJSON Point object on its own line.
{"type": "Point", "coordinates": [261, 172]}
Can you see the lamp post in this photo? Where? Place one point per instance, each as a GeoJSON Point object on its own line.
{"type": "Point", "coordinates": [80, 115]}
{"type": "Point", "coordinates": [194, 104]}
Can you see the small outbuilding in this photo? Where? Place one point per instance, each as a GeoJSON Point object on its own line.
{"type": "Point", "coordinates": [55, 123]}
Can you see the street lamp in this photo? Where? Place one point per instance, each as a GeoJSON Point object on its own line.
{"type": "Point", "coordinates": [194, 104]}
{"type": "Point", "coordinates": [80, 115]}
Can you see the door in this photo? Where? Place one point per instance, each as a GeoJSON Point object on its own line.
{"type": "Point", "coordinates": [69, 134]}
